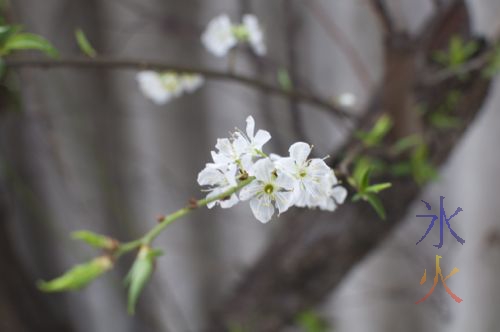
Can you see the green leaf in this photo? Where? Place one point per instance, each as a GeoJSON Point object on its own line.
{"type": "Point", "coordinates": [79, 276]}
{"type": "Point", "coordinates": [377, 133]}
{"type": "Point", "coordinates": [376, 203]}
{"type": "Point", "coordinates": [376, 188]}
{"type": "Point", "coordinates": [284, 80]}
{"type": "Point", "coordinates": [406, 143]}
{"type": "Point", "coordinates": [95, 240]}
{"type": "Point", "coordinates": [139, 275]}
{"type": "Point", "coordinates": [364, 180]}
{"type": "Point", "coordinates": [361, 167]}
{"type": "Point", "coordinates": [401, 169]}
{"type": "Point", "coordinates": [84, 43]}
{"type": "Point", "coordinates": [6, 32]}
{"type": "Point", "coordinates": [29, 41]}
{"type": "Point", "coordinates": [309, 321]}
{"type": "Point", "coordinates": [444, 121]}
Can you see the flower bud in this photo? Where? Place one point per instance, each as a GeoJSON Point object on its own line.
{"type": "Point", "coordinates": [95, 240]}
{"type": "Point", "coordinates": [79, 276]}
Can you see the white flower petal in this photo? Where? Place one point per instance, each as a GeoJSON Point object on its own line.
{"type": "Point", "coordinates": [262, 208]}
{"type": "Point", "coordinates": [152, 87]}
{"type": "Point", "coordinates": [251, 190]}
{"type": "Point", "coordinates": [339, 193]}
{"type": "Point", "coordinates": [299, 152]}
{"type": "Point", "coordinates": [261, 138]}
{"type": "Point", "coordinates": [209, 176]}
{"type": "Point", "coordinates": [218, 38]}
{"type": "Point", "coordinates": [284, 200]}
{"type": "Point", "coordinates": [255, 34]}
{"type": "Point", "coordinates": [263, 170]}
{"type": "Point", "coordinates": [250, 127]}
{"type": "Point", "coordinates": [286, 165]}
{"type": "Point", "coordinates": [285, 181]}
{"type": "Point", "coordinates": [227, 203]}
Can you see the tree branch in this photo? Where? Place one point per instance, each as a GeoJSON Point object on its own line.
{"type": "Point", "coordinates": [111, 63]}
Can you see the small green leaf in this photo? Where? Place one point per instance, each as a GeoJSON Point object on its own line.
{"type": "Point", "coordinates": [6, 32]}
{"type": "Point", "coordinates": [139, 275]}
{"type": "Point", "coordinates": [377, 133]}
{"type": "Point", "coordinates": [84, 43]}
{"type": "Point", "coordinates": [364, 180]}
{"type": "Point", "coordinates": [95, 240]}
{"type": "Point", "coordinates": [29, 41]}
{"type": "Point", "coordinates": [401, 169]}
{"type": "Point", "coordinates": [376, 188]}
{"type": "Point", "coordinates": [79, 276]}
{"type": "Point", "coordinates": [406, 143]}
{"type": "Point", "coordinates": [444, 121]}
{"type": "Point", "coordinates": [284, 79]}
{"type": "Point", "coordinates": [310, 321]}
{"type": "Point", "coordinates": [376, 204]}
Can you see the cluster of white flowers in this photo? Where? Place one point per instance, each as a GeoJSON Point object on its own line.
{"type": "Point", "coordinates": [163, 87]}
{"type": "Point", "coordinates": [221, 35]}
{"type": "Point", "coordinates": [278, 182]}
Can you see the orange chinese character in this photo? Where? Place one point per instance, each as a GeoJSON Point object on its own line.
{"type": "Point", "coordinates": [438, 272]}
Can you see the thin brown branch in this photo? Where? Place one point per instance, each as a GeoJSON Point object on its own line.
{"type": "Point", "coordinates": [468, 67]}
{"type": "Point", "coordinates": [132, 64]}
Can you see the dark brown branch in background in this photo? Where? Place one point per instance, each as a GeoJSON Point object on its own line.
{"type": "Point", "coordinates": [384, 15]}
{"type": "Point", "coordinates": [345, 46]}
{"type": "Point", "coordinates": [111, 63]}
{"type": "Point", "coordinates": [311, 254]}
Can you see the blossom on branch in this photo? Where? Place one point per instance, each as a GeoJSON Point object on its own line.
{"type": "Point", "coordinates": [163, 87]}
{"type": "Point", "coordinates": [276, 182]}
{"type": "Point", "coordinates": [221, 35]}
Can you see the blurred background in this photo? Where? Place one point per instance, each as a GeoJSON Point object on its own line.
{"type": "Point", "coordinates": [84, 149]}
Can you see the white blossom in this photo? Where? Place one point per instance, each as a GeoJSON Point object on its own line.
{"type": "Point", "coordinates": [191, 82]}
{"type": "Point", "coordinates": [276, 182]}
{"type": "Point", "coordinates": [336, 195]}
{"type": "Point", "coordinates": [270, 188]}
{"type": "Point", "coordinates": [220, 180]}
{"type": "Point", "coordinates": [221, 35]}
{"type": "Point", "coordinates": [346, 99]}
{"type": "Point", "coordinates": [219, 38]}
{"type": "Point", "coordinates": [151, 85]}
{"type": "Point", "coordinates": [312, 176]}
{"type": "Point", "coordinates": [252, 142]}
{"type": "Point", "coordinates": [162, 87]}
{"type": "Point", "coordinates": [255, 34]}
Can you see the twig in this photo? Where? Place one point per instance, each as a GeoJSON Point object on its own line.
{"type": "Point", "coordinates": [150, 236]}
{"type": "Point", "coordinates": [468, 67]}
{"type": "Point", "coordinates": [112, 63]}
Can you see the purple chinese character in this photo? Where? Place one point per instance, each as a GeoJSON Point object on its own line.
{"type": "Point", "coordinates": [441, 217]}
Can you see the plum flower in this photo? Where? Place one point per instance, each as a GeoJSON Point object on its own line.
{"type": "Point", "coordinates": [220, 180]}
{"type": "Point", "coordinates": [219, 38]}
{"type": "Point", "coordinates": [335, 195]}
{"type": "Point", "coordinates": [313, 178]}
{"type": "Point", "coordinates": [252, 142]}
{"type": "Point", "coordinates": [254, 33]}
{"type": "Point", "coordinates": [191, 82]}
{"type": "Point", "coordinates": [270, 185]}
{"type": "Point", "coordinates": [162, 87]}
{"type": "Point", "coordinates": [221, 35]}
{"type": "Point", "coordinates": [151, 85]}
{"type": "Point", "coordinates": [346, 100]}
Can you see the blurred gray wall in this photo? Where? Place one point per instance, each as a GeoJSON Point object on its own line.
{"type": "Point", "coordinates": [97, 155]}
